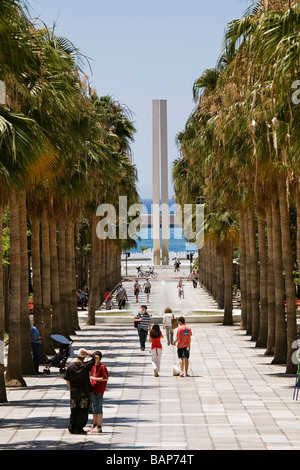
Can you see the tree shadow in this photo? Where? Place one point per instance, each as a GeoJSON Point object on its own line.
{"type": "Point", "coordinates": [38, 420]}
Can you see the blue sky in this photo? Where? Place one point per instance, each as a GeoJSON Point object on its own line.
{"type": "Point", "coordinates": [144, 50]}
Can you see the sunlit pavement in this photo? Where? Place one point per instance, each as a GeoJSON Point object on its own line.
{"type": "Point", "coordinates": [233, 399]}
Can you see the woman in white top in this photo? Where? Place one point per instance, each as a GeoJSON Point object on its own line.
{"type": "Point", "coordinates": [147, 288]}
{"type": "Point", "coordinates": [167, 325]}
{"type": "Point", "coordinates": [136, 290]}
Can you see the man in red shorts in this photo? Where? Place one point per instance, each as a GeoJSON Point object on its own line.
{"type": "Point", "coordinates": [183, 341]}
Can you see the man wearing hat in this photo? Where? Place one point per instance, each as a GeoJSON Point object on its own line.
{"type": "Point", "coordinates": [36, 342]}
{"type": "Point", "coordinates": [78, 382]}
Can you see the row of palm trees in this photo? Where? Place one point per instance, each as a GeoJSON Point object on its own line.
{"type": "Point", "coordinates": [63, 151]}
{"type": "Point", "coordinates": [240, 156]}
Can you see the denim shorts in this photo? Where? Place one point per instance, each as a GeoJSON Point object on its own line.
{"type": "Point", "coordinates": [183, 353]}
{"type": "Point", "coordinates": [97, 402]}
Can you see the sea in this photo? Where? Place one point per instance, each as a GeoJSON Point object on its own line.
{"type": "Point", "coordinates": [177, 242]}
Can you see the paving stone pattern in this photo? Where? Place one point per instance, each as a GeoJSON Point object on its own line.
{"type": "Point", "coordinates": [234, 399]}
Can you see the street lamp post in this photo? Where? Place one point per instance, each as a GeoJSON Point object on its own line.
{"type": "Point", "coordinates": [127, 254]}
{"type": "Point", "coordinates": [190, 257]}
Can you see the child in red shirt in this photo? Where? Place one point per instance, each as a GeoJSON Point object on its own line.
{"type": "Point", "coordinates": [99, 378]}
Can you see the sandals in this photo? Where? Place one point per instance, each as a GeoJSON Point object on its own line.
{"type": "Point", "coordinates": [95, 430]}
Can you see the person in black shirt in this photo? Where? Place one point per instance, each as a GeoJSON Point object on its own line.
{"type": "Point", "coordinates": [78, 382]}
{"type": "Point", "coordinates": [144, 325]}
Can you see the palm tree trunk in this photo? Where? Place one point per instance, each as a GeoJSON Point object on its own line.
{"type": "Point", "coordinates": [200, 266]}
{"type": "Point", "coordinates": [263, 279]}
{"type": "Point", "coordinates": [220, 281]}
{"type": "Point", "coordinates": [214, 271]}
{"type": "Point", "coordinates": [248, 275]}
{"type": "Point", "coordinates": [48, 347]}
{"type": "Point", "coordinates": [26, 359]}
{"type": "Point", "coordinates": [118, 268]}
{"type": "Point", "coordinates": [14, 376]}
{"type": "Point", "coordinates": [298, 222]}
{"type": "Point", "coordinates": [228, 276]}
{"type": "Point", "coordinates": [204, 260]}
{"type": "Point", "coordinates": [280, 324]}
{"type": "Point", "coordinates": [209, 266]}
{"type": "Point", "coordinates": [62, 278]}
{"type": "Point", "coordinates": [115, 265]}
{"type": "Point", "coordinates": [243, 272]}
{"type": "Point", "coordinates": [69, 277]}
{"type": "Point", "coordinates": [288, 265]}
{"type": "Point", "coordinates": [107, 263]}
{"type": "Point", "coordinates": [36, 271]}
{"type": "Point", "coordinates": [94, 272]}
{"type": "Point", "coordinates": [54, 276]}
{"type": "Point", "coordinates": [254, 276]}
{"type": "Point", "coordinates": [102, 278]}
{"type": "Point", "coordinates": [271, 284]}
{"type": "Point", "coordinates": [74, 284]}
{"type": "Point", "coordinates": [3, 396]}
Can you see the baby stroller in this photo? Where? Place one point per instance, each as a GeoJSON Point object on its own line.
{"type": "Point", "coordinates": [60, 358]}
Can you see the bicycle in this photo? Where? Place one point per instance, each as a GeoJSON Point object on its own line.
{"type": "Point", "coordinates": [149, 273]}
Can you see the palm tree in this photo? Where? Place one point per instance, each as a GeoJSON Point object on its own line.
{"type": "Point", "coordinates": [22, 141]}
{"type": "Point", "coordinates": [223, 231]}
{"type": "Point", "coordinates": [27, 150]}
{"type": "Point", "coordinates": [119, 133]}
{"type": "Point", "coordinates": [51, 124]}
{"type": "Point", "coordinates": [17, 72]}
{"type": "Point", "coordinates": [259, 31]}
{"type": "Point", "coordinates": [239, 146]}
{"type": "Point", "coordinates": [279, 25]}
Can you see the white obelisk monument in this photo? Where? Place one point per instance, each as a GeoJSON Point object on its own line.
{"type": "Point", "coordinates": [160, 182]}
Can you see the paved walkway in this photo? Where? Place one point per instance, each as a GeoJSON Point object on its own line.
{"type": "Point", "coordinates": [233, 399]}
{"type": "Point", "coordinates": [164, 293]}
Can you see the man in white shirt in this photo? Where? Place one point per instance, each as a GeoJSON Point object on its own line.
{"type": "Point", "coordinates": [167, 325]}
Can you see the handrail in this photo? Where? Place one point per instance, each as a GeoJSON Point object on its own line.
{"type": "Point", "coordinates": [103, 305]}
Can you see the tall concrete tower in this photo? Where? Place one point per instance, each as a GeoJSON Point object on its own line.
{"type": "Point", "coordinates": [160, 182]}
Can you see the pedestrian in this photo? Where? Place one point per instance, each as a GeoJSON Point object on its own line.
{"type": "Point", "coordinates": [176, 265]}
{"type": "Point", "coordinates": [136, 290]}
{"type": "Point", "coordinates": [167, 325]}
{"type": "Point", "coordinates": [36, 341]}
{"type": "Point", "coordinates": [144, 325]}
{"type": "Point", "coordinates": [77, 376]}
{"type": "Point", "coordinates": [84, 299]}
{"type": "Point", "coordinates": [79, 299]}
{"type": "Point", "coordinates": [156, 348]}
{"type": "Point", "coordinates": [183, 341]}
{"type": "Point", "coordinates": [108, 299]}
{"type": "Point", "coordinates": [121, 297]}
{"type": "Point", "coordinates": [99, 378]}
{"type": "Point", "coordinates": [147, 289]}
{"type": "Point", "coordinates": [180, 288]}
{"type": "Point", "coordinates": [194, 277]}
